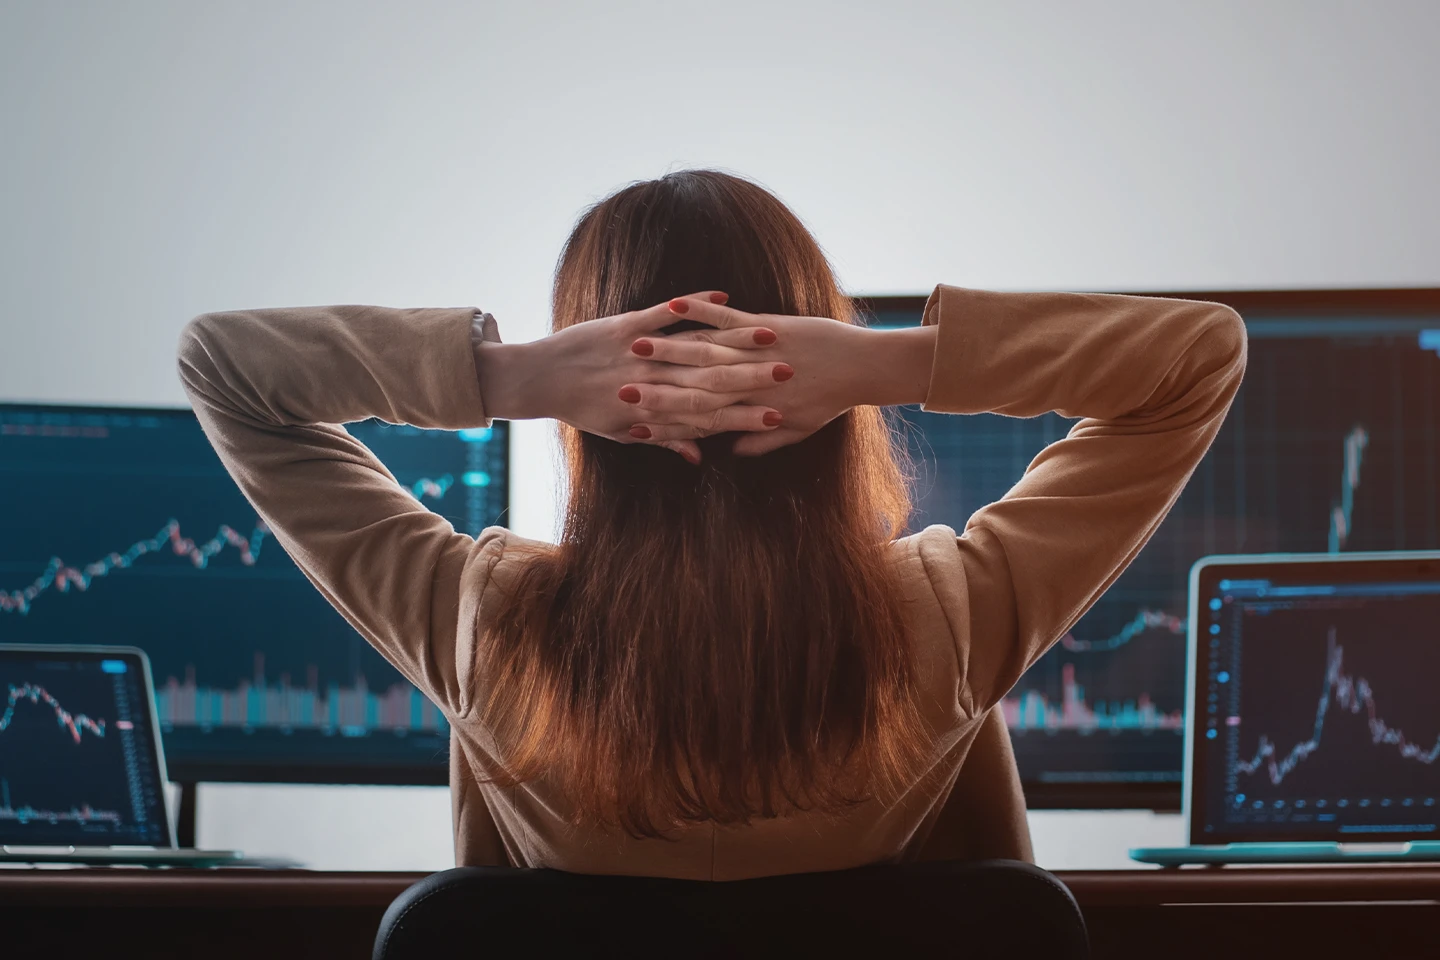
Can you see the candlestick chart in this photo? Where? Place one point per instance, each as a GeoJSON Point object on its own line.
{"type": "Point", "coordinates": [121, 526]}
{"type": "Point", "coordinates": [1333, 444]}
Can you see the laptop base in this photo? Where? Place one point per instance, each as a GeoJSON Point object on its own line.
{"type": "Point", "coordinates": [1309, 852]}
{"type": "Point", "coordinates": [138, 857]}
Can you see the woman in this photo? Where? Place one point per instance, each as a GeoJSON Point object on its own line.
{"type": "Point", "coordinates": [729, 666]}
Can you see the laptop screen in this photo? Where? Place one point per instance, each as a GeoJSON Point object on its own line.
{"type": "Point", "coordinates": [78, 757]}
{"type": "Point", "coordinates": [1313, 685]}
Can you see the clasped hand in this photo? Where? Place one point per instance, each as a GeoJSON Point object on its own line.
{"type": "Point", "coordinates": [773, 379]}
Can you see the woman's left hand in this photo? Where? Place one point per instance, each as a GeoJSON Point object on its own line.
{"type": "Point", "coordinates": [595, 377]}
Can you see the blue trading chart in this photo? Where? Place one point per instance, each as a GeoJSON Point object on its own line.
{"type": "Point", "coordinates": [122, 527]}
{"type": "Point", "coordinates": [1333, 444]}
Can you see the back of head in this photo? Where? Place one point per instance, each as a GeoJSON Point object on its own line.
{"type": "Point", "coordinates": [720, 642]}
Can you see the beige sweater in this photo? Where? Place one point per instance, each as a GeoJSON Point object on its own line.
{"type": "Point", "coordinates": [1153, 377]}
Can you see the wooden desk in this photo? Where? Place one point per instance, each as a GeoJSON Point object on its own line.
{"type": "Point", "coordinates": [1371, 911]}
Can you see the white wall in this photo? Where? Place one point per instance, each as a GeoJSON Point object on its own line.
{"type": "Point", "coordinates": [161, 159]}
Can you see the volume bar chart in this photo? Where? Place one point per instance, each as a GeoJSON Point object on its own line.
{"type": "Point", "coordinates": [352, 710]}
{"type": "Point", "coordinates": [1033, 711]}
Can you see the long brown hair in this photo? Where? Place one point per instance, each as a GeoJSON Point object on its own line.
{"type": "Point", "coordinates": [717, 643]}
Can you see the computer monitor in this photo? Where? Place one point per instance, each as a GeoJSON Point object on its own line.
{"type": "Point", "coordinates": [120, 526]}
{"type": "Point", "coordinates": [1333, 444]}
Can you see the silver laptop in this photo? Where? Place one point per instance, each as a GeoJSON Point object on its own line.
{"type": "Point", "coordinates": [1312, 724]}
{"type": "Point", "coordinates": [82, 772]}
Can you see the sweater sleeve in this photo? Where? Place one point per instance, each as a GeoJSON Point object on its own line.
{"type": "Point", "coordinates": [271, 387]}
{"type": "Point", "coordinates": [1152, 378]}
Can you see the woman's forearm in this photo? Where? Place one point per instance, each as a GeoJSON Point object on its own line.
{"type": "Point", "coordinates": [294, 366]}
{"type": "Point", "coordinates": [513, 382]}
{"type": "Point", "coordinates": [894, 366]}
{"type": "Point", "coordinates": [1100, 356]}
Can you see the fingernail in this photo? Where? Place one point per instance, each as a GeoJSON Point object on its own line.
{"type": "Point", "coordinates": [691, 458]}
{"type": "Point", "coordinates": [642, 348]}
{"type": "Point", "coordinates": [640, 433]}
{"type": "Point", "coordinates": [772, 418]}
{"type": "Point", "coordinates": [630, 394]}
{"type": "Point", "coordinates": [719, 297]}
{"type": "Point", "coordinates": [679, 306]}
{"type": "Point", "coordinates": [764, 337]}
{"type": "Point", "coordinates": [783, 372]}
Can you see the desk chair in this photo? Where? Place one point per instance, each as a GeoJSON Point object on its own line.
{"type": "Point", "coordinates": [988, 908]}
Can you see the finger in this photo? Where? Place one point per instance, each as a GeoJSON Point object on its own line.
{"type": "Point", "coordinates": [661, 315]}
{"type": "Point", "coordinates": [705, 348]}
{"type": "Point", "coordinates": [667, 399]}
{"type": "Point", "coordinates": [758, 444]}
{"type": "Point", "coordinates": [686, 448]}
{"type": "Point", "coordinates": [737, 418]}
{"type": "Point", "coordinates": [714, 314]}
{"type": "Point", "coordinates": [738, 378]}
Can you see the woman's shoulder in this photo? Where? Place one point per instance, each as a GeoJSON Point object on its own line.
{"type": "Point", "coordinates": [936, 542]}
{"type": "Point", "coordinates": [501, 544]}
{"type": "Point", "coordinates": [930, 560]}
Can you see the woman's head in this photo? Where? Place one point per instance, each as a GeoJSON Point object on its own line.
{"type": "Point", "coordinates": [717, 642]}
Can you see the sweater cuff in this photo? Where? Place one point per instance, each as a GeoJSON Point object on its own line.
{"type": "Point", "coordinates": [955, 347]}
{"type": "Point", "coordinates": [447, 389]}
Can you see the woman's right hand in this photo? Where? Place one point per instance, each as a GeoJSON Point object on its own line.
{"type": "Point", "coordinates": [836, 366]}
{"type": "Point", "coordinates": [596, 376]}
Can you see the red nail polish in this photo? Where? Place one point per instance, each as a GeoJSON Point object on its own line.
{"type": "Point", "coordinates": [679, 306]}
{"type": "Point", "coordinates": [783, 372]}
{"type": "Point", "coordinates": [772, 418]}
{"type": "Point", "coordinates": [642, 348]}
{"type": "Point", "coordinates": [640, 433]}
{"type": "Point", "coordinates": [719, 297]}
{"type": "Point", "coordinates": [765, 337]}
{"type": "Point", "coordinates": [630, 394]}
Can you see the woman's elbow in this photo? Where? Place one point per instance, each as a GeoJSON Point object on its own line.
{"type": "Point", "coordinates": [197, 351]}
{"type": "Point", "coordinates": [1226, 333]}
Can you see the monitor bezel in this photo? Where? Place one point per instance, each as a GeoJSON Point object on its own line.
{"type": "Point", "coordinates": [1378, 303]}
{"type": "Point", "coordinates": [1358, 567]}
{"type": "Point", "coordinates": [430, 774]}
{"type": "Point", "coordinates": [60, 651]}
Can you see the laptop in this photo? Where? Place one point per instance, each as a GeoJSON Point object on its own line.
{"type": "Point", "coordinates": [82, 771]}
{"type": "Point", "coordinates": [1312, 724]}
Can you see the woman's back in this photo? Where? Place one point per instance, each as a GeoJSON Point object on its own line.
{"type": "Point", "coordinates": [897, 688]}
{"type": "Point", "coordinates": [535, 824]}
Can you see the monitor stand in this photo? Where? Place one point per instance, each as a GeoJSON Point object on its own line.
{"type": "Point", "coordinates": [185, 815]}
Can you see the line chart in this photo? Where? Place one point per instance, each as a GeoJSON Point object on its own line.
{"type": "Point", "coordinates": [76, 723]}
{"type": "Point", "coordinates": [1144, 620]}
{"type": "Point", "coordinates": [1349, 693]}
{"type": "Point", "coordinates": [60, 577]}
{"type": "Point", "coordinates": [1354, 446]}
{"type": "Point", "coordinates": [1355, 443]}
{"type": "Point", "coordinates": [83, 813]}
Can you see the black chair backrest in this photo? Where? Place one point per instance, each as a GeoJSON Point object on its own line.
{"type": "Point", "coordinates": [999, 908]}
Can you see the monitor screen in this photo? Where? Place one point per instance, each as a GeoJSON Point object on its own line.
{"type": "Point", "coordinates": [78, 764]}
{"type": "Point", "coordinates": [1333, 444]}
{"type": "Point", "coordinates": [120, 526]}
{"type": "Point", "coordinates": [1313, 694]}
